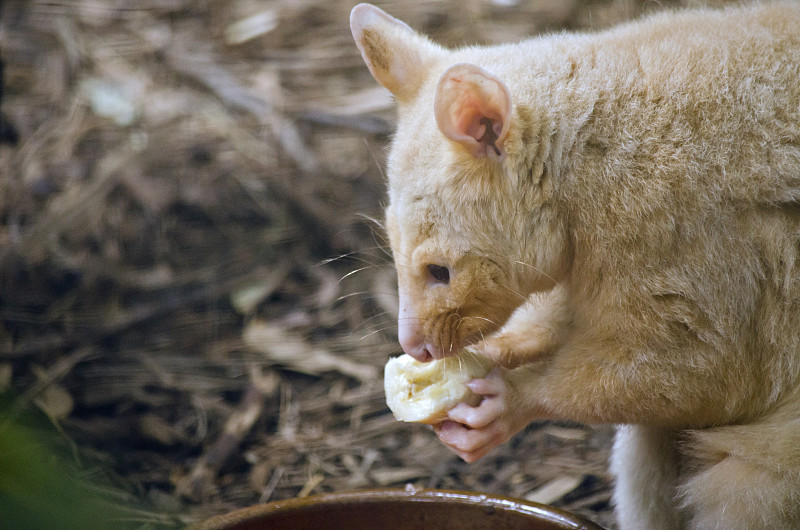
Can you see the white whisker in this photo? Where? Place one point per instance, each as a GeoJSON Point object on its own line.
{"type": "Point", "coordinates": [371, 333]}
{"type": "Point", "coordinates": [356, 271]}
{"type": "Point", "coordinates": [490, 321]}
{"type": "Point", "coordinates": [537, 269]}
{"type": "Point", "coordinates": [516, 293]}
{"type": "Point", "coordinates": [367, 294]}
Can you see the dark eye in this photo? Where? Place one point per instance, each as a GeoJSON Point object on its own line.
{"type": "Point", "coordinates": [439, 273]}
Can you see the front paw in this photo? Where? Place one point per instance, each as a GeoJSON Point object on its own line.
{"type": "Point", "coordinates": [471, 432]}
{"type": "Point", "coordinates": [504, 350]}
{"type": "Point", "coordinates": [534, 331]}
{"type": "Point", "coordinates": [512, 349]}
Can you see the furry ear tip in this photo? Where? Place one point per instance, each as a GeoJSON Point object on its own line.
{"type": "Point", "coordinates": [365, 15]}
{"type": "Point", "coordinates": [362, 16]}
{"type": "Point", "coordinates": [393, 52]}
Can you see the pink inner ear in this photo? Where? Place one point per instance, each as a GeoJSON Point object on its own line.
{"type": "Point", "coordinates": [468, 116]}
{"type": "Point", "coordinates": [473, 108]}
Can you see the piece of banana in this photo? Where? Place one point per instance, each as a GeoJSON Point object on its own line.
{"type": "Point", "coordinates": [424, 392]}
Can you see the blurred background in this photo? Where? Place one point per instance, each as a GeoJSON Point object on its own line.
{"type": "Point", "coordinates": [196, 296]}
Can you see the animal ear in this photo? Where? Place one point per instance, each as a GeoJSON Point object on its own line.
{"type": "Point", "coordinates": [397, 56]}
{"type": "Point", "coordinates": [473, 108]}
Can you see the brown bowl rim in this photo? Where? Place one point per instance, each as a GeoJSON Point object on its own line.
{"type": "Point", "coordinates": [441, 496]}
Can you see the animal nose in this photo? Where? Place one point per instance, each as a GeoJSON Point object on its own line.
{"type": "Point", "coordinates": [410, 333]}
{"type": "Point", "coordinates": [412, 340]}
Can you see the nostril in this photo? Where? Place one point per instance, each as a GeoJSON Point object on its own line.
{"type": "Point", "coordinates": [439, 273]}
{"type": "Point", "coordinates": [425, 356]}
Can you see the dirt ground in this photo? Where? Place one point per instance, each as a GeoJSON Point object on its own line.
{"type": "Point", "coordinates": [196, 296]}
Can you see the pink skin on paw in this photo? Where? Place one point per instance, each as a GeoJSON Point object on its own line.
{"type": "Point", "coordinates": [471, 432]}
{"type": "Point", "coordinates": [469, 444]}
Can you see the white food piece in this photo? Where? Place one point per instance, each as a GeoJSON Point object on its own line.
{"type": "Point", "coordinates": [424, 392]}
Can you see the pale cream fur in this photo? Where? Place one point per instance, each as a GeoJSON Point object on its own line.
{"type": "Point", "coordinates": [648, 186]}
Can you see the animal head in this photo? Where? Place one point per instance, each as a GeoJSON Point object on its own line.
{"type": "Point", "coordinates": [470, 220]}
